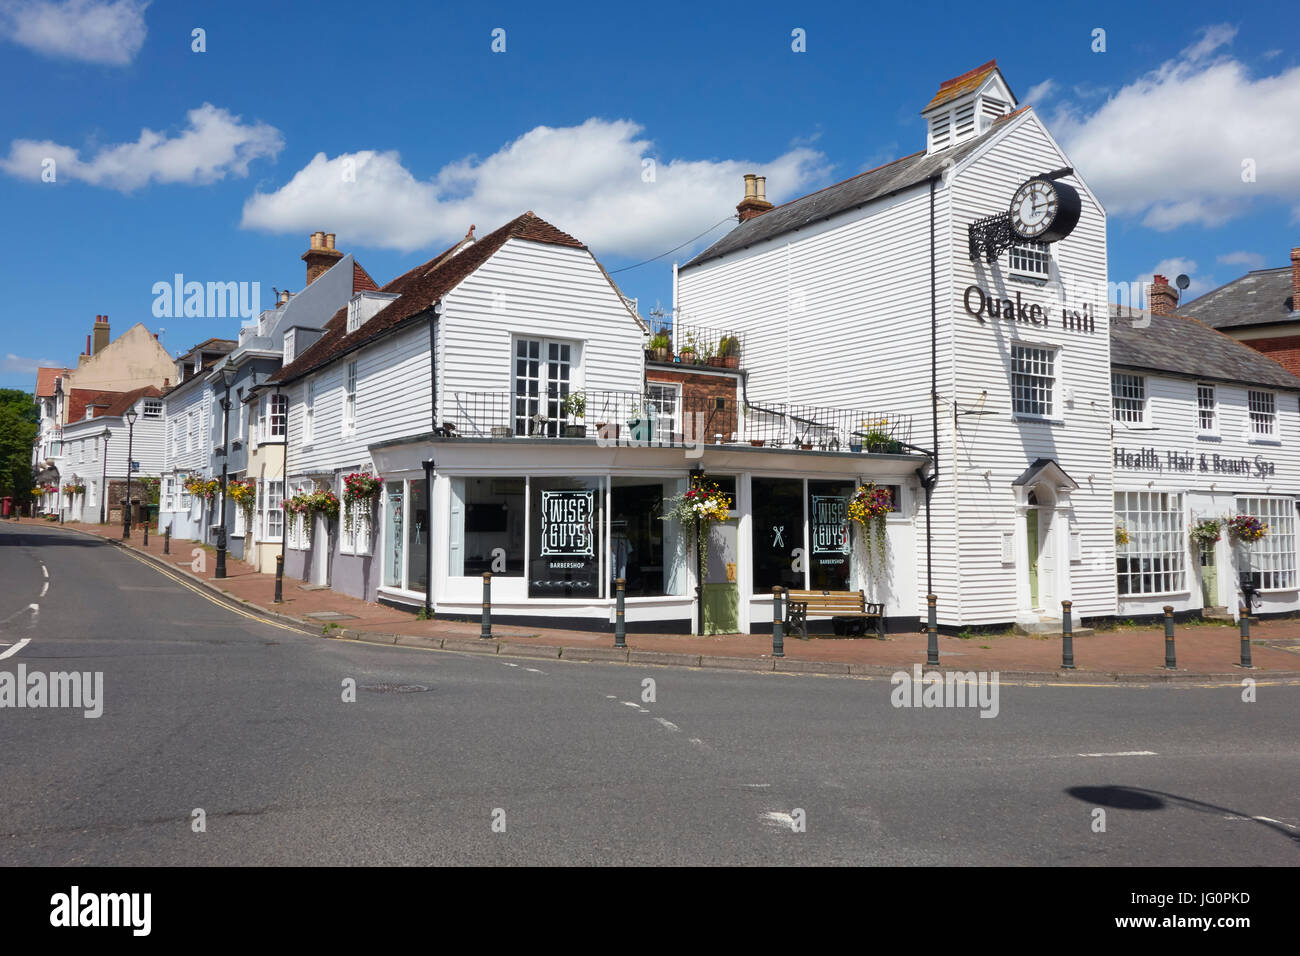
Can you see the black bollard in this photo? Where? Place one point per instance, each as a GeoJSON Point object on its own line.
{"type": "Point", "coordinates": [932, 631]}
{"type": "Point", "coordinates": [1244, 621]}
{"type": "Point", "coordinates": [145, 526]}
{"type": "Point", "coordinates": [778, 623]}
{"type": "Point", "coordinates": [620, 622]}
{"type": "Point", "coordinates": [1067, 637]}
{"type": "Point", "coordinates": [1171, 662]}
{"type": "Point", "coordinates": [279, 579]}
{"type": "Point", "coordinates": [485, 633]}
{"type": "Point", "coordinates": [167, 540]}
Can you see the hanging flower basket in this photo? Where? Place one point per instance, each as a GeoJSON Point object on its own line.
{"type": "Point", "coordinates": [243, 491]}
{"type": "Point", "coordinates": [1206, 533]}
{"type": "Point", "coordinates": [361, 490]}
{"type": "Point", "coordinates": [1121, 535]}
{"type": "Point", "coordinates": [869, 507]}
{"type": "Point", "coordinates": [699, 508]}
{"type": "Point", "coordinates": [1247, 528]}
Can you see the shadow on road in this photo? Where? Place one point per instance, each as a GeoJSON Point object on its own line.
{"type": "Point", "coordinates": [1138, 798]}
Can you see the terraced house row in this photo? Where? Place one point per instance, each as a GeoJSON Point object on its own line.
{"type": "Point", "coordinates": [939, 327]}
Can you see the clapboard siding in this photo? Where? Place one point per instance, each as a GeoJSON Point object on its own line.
{"type": "Point", "coordinates": [537, 290]}
{"type": "Point", "coordinates": [839, 314]}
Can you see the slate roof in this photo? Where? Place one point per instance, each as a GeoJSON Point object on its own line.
{"type": "Point", "coordinates": [851, 193]}
{"type": "Point", "coordinates": [1183, 345]}
{"type": "Point", "coordinates": [417, 290]}
{"type": "Point", "coordinates": [1261, 297]}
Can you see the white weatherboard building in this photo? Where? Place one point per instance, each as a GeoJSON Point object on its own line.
{"type": "Point", "coordinates": [1205, 428]}
{"type": "Point", "coordinates": [868, 291]}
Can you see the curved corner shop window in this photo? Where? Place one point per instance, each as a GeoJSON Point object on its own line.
{"type": "Point", "coordinates": [486, 528]}
{"type": "Point", "coordinates": [828, 534]}
{"type": "Point", "coordinates": [563, 559]}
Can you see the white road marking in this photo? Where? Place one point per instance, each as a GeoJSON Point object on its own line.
{"type": "Point", "coordinates": [776, 818]}
{"type": "Point", "coordinates": [610, 697]}
{"type": "Point", "coordinates": [45, 571]}
{"type": "Point", "coordinates": [45, 587]}
{"type": "Point", "coordinates": [754, 786]}
{"type": "Point", "coordinates": [628, 703]}
{"type": "Point", "coordinates": [669, 724]}
{"type": "Point", "coordinates": [1125, 753]}
{"type": "Point", "coordinates": [509, 665]}
{"type": "Point", "coordinates": [534, 670]}
{"type": "Point", "coordinates": [699, 743]}
{"type": "Point", "coordinates": [1289, 826]}
{"type": "Point", "coordinates": [16, 648]}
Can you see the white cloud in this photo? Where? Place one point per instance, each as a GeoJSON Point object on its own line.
{"type": "Point", "coordinates": [213, 145]}
{"type": "Point", "coordinates": [1251, 260]}
{"type": "Point", "coordinates": [1040, 92]}
{"type": "Point", "coordinates": [1169, 147]}
{"type": "Point", "coordinates": [588, 180]}
{"type": "Point", "coordinates": [17, 365]}
{"type": "Point", "coordinates": [96, 31]}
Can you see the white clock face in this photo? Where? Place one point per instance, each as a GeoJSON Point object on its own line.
{"type": "Point", "coordinates": [1033, 208]}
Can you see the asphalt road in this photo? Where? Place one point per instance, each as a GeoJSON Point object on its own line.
{"type": "Point", "coordinates": [206, 708]}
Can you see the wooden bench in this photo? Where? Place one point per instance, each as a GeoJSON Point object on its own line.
{"type": "Point", "coordinates": [842, 606]}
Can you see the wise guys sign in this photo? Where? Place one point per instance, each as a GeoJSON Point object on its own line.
{"type": "Point", "coordinates": [984, 306]}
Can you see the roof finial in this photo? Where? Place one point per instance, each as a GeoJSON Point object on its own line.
{"type": "Point", "coordinates": [470, 234]}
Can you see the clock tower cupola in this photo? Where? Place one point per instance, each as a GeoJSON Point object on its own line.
{"type": "Point", "coordinates": [966, 106]}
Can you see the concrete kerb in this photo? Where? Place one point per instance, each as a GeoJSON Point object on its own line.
{"type": "Point", "coordinates": [667, 658]}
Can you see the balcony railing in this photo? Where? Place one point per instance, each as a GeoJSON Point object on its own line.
{"type": "Point", "coordinates": [663, 417]}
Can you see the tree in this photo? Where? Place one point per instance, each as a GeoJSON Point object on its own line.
{"type": "Point", "coordinates": [17, 434]}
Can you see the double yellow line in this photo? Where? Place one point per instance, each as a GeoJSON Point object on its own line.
{"type": "Point", "coordinates": [201, 592]}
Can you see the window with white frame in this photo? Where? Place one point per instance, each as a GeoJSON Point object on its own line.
{"type": "Point", "coordinates": [1033, 381]}
{"type": "Point", "coordinates": [186, 499]}
{"type": "Point", "coordinates": [1272, 556]}
{"type": "Point", "coordinates": [173, 443]}
{"type": "Point", "coordinates": [1207, 410]}
{"type": "Point", "coordinates": [354, 529]}
{"type": "Point", "coordinates": [289, 345]}
{"type": "Point", "coordinates": [1030, 258]}
{"type": "Point", "coordinates": [350, 398]}
{"type": "Point", "coordinates": [168, 496]}
{"type": "Point", "coordinates": [1128, 396]}
{"type": "Point", "coordinates": [664, 404]}
{"type": "Point", "coordinates": [239, 529]}
{"type": "Point", "coordinates": [1263, 414]}
{"type": "Point", "coordinates": [279, 409]}
{"type": "Point", "coordinates": [299, 534]}
{"type": "Point", "coordinates": [272, 510]}
{"type": "Point", "coordinates": [153, 408]}
{"type": "Point", "coordinates": [1155, 559]}
{"type": "Point", "coordinates": [309, 414]}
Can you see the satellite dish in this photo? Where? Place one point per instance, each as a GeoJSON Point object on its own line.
{"type": "Point", "coordinates": [1183, 281]}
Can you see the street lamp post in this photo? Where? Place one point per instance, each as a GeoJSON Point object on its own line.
{"type": "Point", "coordinates": [129, 418]}
{"type": "Point", "coordinates": [697, 479]}
{"type": "Point", "coordinates": [103, 481]}
{"type": "Point", "coordinates": [228, 372]}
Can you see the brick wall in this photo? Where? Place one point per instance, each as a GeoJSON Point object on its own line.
{"type": "Point", "coordinates": [700, 393]}
{"type": "Point", "coordinates": [1285, 350]}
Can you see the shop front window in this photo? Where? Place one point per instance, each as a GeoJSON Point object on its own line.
{"type": "Point", "coordinates": [828, 534]}
{"type": "Point", "coordinates": [777, 533]}
{"type": "Point", "coordinates": [417, 540]}
{"type": "Point", "coordinates": [564, 527]}
{"type": "Point", "coordinates": [393, 535]}
{"type": "Point", "coordinates": [487, 527]}
{"type": "Point", "coordinates": [646, 551]}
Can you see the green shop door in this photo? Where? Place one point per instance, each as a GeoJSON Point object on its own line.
{"type": "Point", "coordinates": [1031, 540]}
{"type": "Point", "coordinates": [721, 592]}
{"type": "Point", "coordinates": [1209, 577]}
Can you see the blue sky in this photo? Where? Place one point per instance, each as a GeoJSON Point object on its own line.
{"type": "Point", "coordinates": [219, 164]}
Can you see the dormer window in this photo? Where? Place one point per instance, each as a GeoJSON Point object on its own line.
{"type": "Point", "coordinates": [354, 313]}
{"type": "Point", "coordinates": [364, 306]}
{"type": "Point", "coordinates": [290, 345]}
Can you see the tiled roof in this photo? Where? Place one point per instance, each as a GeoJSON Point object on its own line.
{"type": "Point", "coordinates": [1185, 346]}
{"type": "Point", "coordinates": [1262, 297]}
{"type": "Point", "coordinates": [419, 289]}
{"type": "Point", "coordinates": [79, 399]}
{"type": "Point", "coordinates": [857, 191]}
{"type": "Point", "coordinates": [46, 379]}
{"type": "Point", "coordinates": [361, 281]}
{"type": "Point", "coordinates": [959, 85]}
{"type": "Point", "coordinates": [127, 399]}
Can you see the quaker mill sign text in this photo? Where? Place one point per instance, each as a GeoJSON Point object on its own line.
{"type": "Point", "coordinates": [984, 306]}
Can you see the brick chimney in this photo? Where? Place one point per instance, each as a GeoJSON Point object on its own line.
{"type": "Point", "coordinates": [100, 334]}
{"type": "Point", "coordinates": [321, 256]}
{"type": "Point", "coordinates": [1161, 297]}
{"type": "Point", "coordinates": [1295, 279]}
{"type": "Point", "coordinates": [755, 202]}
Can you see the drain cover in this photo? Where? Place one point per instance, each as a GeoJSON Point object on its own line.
{"type": "Point", "coordinates": [396, 688]}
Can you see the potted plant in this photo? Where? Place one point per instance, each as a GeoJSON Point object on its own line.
{"type": "Point", "coordinates": [640, 424]}
{"type": "Point", "coordinates": [661, 347]}
{"type": "Point", "coordinates": [729, 352]}
{"type": "Point", "coordinates": [690, 351]}
{"type": "Point", "coordinates": [575, 406]}
{"type": "Point", "coordinates": [876, 437]}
